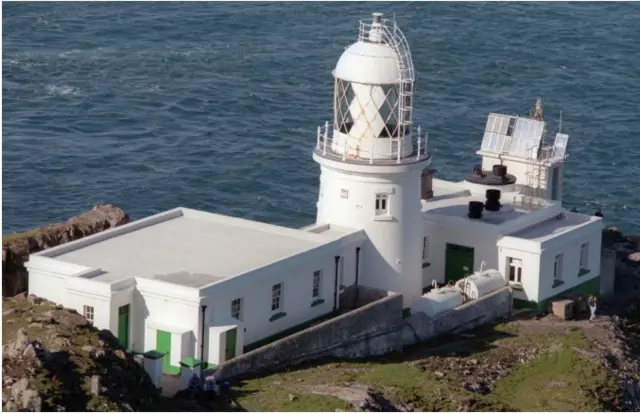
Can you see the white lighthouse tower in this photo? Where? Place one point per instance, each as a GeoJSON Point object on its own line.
{"type": "Point", "coordinates": [372, 158]}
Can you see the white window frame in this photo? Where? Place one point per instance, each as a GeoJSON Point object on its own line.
{"type": "Point", "coordinates": [89, 313]}
{"type": "Point", "coordinates": [557, 268]}
{"type": "Point", "coordinates": [317, 284]}
{"type": "Point", "coordinates": [515, 270]}
{"type": "Point", "coordinates": [236, 308]}
{"type": "Point", "coordinates": [276, 297]}
{"type": "Point", "coordinates": [382, 204]}
{"type": "Point", "coordinates": [584, 256]}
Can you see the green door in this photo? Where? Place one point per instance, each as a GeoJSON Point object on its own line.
{"type": "Point", "coordinates": [163, 345]}
{"type": "Point", "coordinates": [458, 262]}
{"type": "Point", "coordinates": [123, 326]}
{"type": "Point", "coordinates": [230, 350]}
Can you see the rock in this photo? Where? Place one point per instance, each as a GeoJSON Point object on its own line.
{"type": "Point", "coordinates": [19, 387]}
{"type": "Point", "coordinates": [635, 257]}
{"type": "Point", "coordinates": [9, 312]}
{"type": "Point", "coordinates": [22, 337]}
{"type": "Point", "coordinates": [31, 401]}
{"type": "Point", "coordinates": [11, 406]}
{"type": "Point", "coordinates": [292, 397]}
{"type": "Point", "coordinates": [121, 354]}
{"type": "Point", "coordinates": [438, 373]}
{"type": "Point", "coordinates": [95, 385]}
{"type": "Point", "coordinates": [62, 342]}
{"type": "Point", "coordinates": [29, 351]}
{"type": "Point", "coordinates": [99, 353]}
{"type": "Point", "coordinates": [36, 325]}
{"type": "Point", "coordinates": [478, 388]}
{"type": "Point", "coordinates": [15, 252]}
{"type": "Point", "coordinates": [88, 348]}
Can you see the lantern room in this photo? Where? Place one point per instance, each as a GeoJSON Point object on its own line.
{"type": "Point", "coordinates": [373, 98]}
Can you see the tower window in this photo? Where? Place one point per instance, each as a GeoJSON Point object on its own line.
{"type": "Point", "coordinates": [382, 204]}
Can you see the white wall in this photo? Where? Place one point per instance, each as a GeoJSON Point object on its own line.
{"type": "Point", "coordinates": [520, 170]}
{"type": "Point", "coordinates": [77, 298]}
{"type": "Point", "coordinates": [483, 243]}
{"type": "Point", "coordinates": [119, 299]}
{"type": "Point", "coordinates": [570, 248]}
{"type": "Point", "coordinates": [255, 290]}
{"type": "Point", "coordinates": [529, 288]}
{"type": "Point", "coordinates": [392, 260]}
{"type": "Point", "coordinates": [167, 307]}
{"type": "Point", "coordinates": [44, 284]}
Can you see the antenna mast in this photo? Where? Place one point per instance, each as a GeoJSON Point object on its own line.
{"type": "Point", "coordinates": [560, 123]}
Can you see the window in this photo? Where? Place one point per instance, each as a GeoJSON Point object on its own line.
{"type": "Point", "coordinates": [584, 257]}
{"type": "Point", "coordinates": [425, 248]}
{"type": "Point", "coordinates": [276, 297]}
{"type": "Point", "coordinates": [236, 308]}
{"type": "Point", "coordinates": [515, 270]}
{"type": "Point", "coordinates": [382, 204]}
{"type": "Point", "coordinates": [317, 275]}
{"type": "Point", "coordinates": [557, 268]}
{"type": "Point", "coordinates": [88, 313]}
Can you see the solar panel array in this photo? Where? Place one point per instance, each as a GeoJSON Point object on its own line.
{"type": "Point", "coordinates": [560, 145]}
{"type": "Point", "coordinates": [520, 137]}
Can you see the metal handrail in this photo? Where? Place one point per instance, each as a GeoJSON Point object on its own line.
{"type": "Point", "coordinates": [325, 140]}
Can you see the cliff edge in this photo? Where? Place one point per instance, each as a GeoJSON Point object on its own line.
{"type": "Point", "coordinates": [17, 247]}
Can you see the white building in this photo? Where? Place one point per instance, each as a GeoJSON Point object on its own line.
{"type": "Point", "coordinates": [191, 284]}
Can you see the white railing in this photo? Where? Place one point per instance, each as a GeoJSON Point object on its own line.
{"type": "Point", "coordinates": [388, 151]}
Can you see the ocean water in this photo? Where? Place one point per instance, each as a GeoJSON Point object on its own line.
{"type": "Point", "coordinates": [215, 106]}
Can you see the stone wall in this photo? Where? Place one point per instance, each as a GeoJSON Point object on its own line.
{"type": "Point", "coordinates": [376, 328]}
{"type": "Point", "coordinates": [484, 310]}
{"type": "Point", "coordinates": [17, 247]}
{"type": "Point", "coordinates": [369, 330]}
{"type": "Point", "coordinates": [356, 296]}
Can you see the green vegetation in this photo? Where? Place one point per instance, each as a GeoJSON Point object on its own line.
{"type": "Point", "coordinates": [524, 370]}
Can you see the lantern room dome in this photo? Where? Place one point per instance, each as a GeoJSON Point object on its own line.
{"type": "Point", "coordinates": [369, 63]}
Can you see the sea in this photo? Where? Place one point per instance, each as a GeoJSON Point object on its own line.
{"type": "Point", "coordinates": [215, 105]}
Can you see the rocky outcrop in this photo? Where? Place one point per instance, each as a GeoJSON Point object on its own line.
{"type": "Point", "coordinates": [54, 360]}
{"type": "Point", "coordinates": [627, 250]}
{"type": "Point", "coordinates": [17, 247]}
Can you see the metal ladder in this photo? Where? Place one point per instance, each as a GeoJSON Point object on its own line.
{"type": "Point", "coordinates": [400, 47]}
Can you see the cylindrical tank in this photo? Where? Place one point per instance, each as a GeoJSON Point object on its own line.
{"type": "Point", "coordinates": [481, 283]}
{"type": "Point", "coordinates": [437, 301]}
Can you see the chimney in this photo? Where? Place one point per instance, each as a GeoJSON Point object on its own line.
{"type": "Point", "coordinates": [426, 186]}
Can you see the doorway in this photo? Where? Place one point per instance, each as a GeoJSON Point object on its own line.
{"type": "Point", "coordinates": [458, 262]}
{"type": "Point", "coordinates": [230, 344]}
{"type": "Point", "coordinates": [123, 326]}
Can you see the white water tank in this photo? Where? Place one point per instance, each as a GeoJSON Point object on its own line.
{"type": "Point", "coordinates": [481, 283]}
{"type": "Point", "coordinates": [437, 301]}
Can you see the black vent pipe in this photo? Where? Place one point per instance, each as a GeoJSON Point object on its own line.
{"type": "Point", "coordinates": [335, 290]}
{"type": "Point", "coordinates": [203, 308]}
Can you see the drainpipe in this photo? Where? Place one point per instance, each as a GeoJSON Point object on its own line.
{"type": "Point", "coordinates": [335, 291]}
{"type": "Point", "coordinates": [204, 309]}
{"type": "Point", "coordinates": [357, 295]}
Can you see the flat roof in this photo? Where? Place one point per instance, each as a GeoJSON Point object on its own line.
{"type": "Point", "coordinates": [191, 248]}
{"type": "Point", "coordinates": [452, 199]}
{"type": "Point", "coordinates": [554, 227]}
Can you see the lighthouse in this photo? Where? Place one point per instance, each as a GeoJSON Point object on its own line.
{"type": "Point", "coordinates": [372, 157]}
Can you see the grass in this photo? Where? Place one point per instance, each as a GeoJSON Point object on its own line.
{"type": "Point", "coordinates": [559, 379]}
{"type": "Point", "coordinates": [17, 235]}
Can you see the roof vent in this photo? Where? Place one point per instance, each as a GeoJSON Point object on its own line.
{"type": "Point", "coordinates": [375, 34]}
{"type": "Point", "coordinates": [475, 209]}
{"type": "Point", "coordinates": [500, 170]}
{"type": "Point", "coordinates": [493, 200]}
